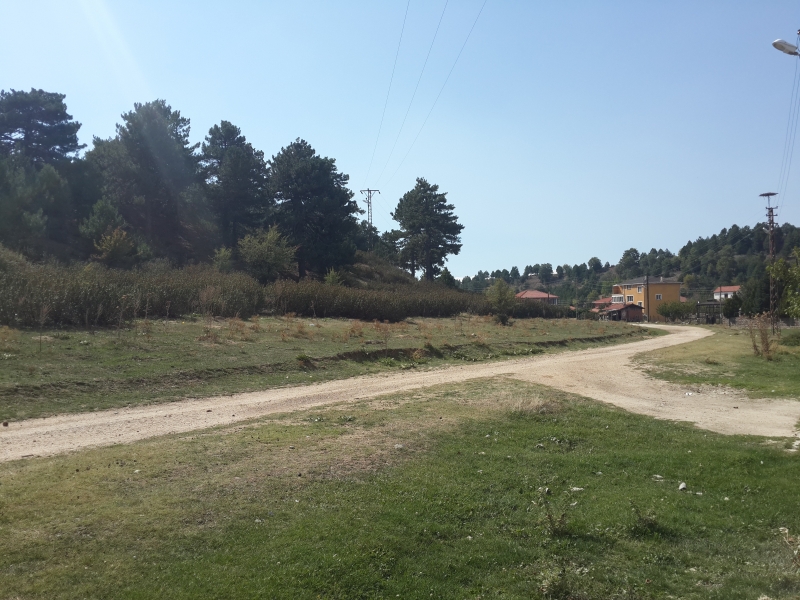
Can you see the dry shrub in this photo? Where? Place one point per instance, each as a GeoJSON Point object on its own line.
{"type": "Point", "coordinates": [301, 331]}
{"type": "Point", "coordinates": [255, 325]}
{"type": "Point", "coordinates": [236, 328]}
{"type": "Point", "coordinates": [209, 334]}
{"type": "Point", "coordinates": [418, 355]}
{"type": "Point", "coordinates": [356, 329]}
{"type": "Point", "coordinates": [392, 302]}
{"type": "Point", "coordinates": [145, 328]}
{"type": "Point", "coordinates": [88, 294]}
{"type": "Point", "coordinates": [284, 336]}
{"type": "Point", "coordinates": [9, 338]}
{"type": "Point", "coordinates": [761, 325]}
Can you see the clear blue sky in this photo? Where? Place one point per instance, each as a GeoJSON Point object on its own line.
{"type": "Point", "coordinates": [566, 130]}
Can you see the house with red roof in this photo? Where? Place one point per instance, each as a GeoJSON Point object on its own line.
{"type": "Point", "coordinates": [538, 296]}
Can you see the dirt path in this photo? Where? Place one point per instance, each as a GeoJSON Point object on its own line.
{"type": "Point", "coordinates": [605, 374]}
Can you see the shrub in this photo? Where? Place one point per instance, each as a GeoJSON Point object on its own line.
{"type": "Point", "coordinates": [267, 254]}
{"type": "Point", "coordinates": [501, 299]}
{"type": "Point", "coordinates": [390, 303]}
{"type": "Point", "coordinates": [90, 294]}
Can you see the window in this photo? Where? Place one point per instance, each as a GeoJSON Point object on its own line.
{"type": "Point", "coordinates": [627, 287]}
{"type": "Point", "coordinates": [630, 298]}
{"type": "Point", "coordinates": [658, 296]}
{"type": "Point", "coordinates": [639, 303]}
{"type": "Point", "coordinates": [617, 299]}
{"type": "Point", "coordinates": [639, 289]}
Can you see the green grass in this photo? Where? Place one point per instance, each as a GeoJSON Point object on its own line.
{"type": "Point", "coordinates": [727, 358]}
{"type": "Point", "coordinates": [433, 494]}
{"type": "Point", "coordinates": [157, 361]}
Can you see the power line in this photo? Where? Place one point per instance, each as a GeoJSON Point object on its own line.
{"type": "Point", "coordinates": [415, 91]}
{"type": "Point", "coordinates": [440, 91]}
{"type": "Point", "coordinates": [791, 133]}
{"type": "Point", "coordinates": [391, 79]}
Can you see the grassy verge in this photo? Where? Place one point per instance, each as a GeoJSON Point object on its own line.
{"type": "Point", "coordinates": [76, 370]}
{"type": "Point", "coordinates": [727, 358]}
{"type": "Point", "coordinates": [452, 492]}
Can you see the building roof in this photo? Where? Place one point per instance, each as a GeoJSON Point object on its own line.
{"type": "Point", "coordinates": [651, 280]}
{"type": "Point", "coordinates": [602, 301]}
{"type": "Point", "coordinates": [535, 295]}
{"type": "Point", "coordinates": [620, 306]}
{"type": "Point", "coordinates": [684, 299]}
{"type": "Point", "coordinates": [727, 288]}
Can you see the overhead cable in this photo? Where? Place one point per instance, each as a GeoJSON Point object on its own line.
{"type": "Point", "coordinates": [391, 79]}
{"type": "Point", "coordinates": [415, 91]}
{"type": "Point", "coordinates": [440, 91]}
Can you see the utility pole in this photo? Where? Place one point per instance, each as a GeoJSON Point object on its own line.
{"type": "Point", "coordinates": [369, 193]}
{"type": "Point", "coordinates": [773, 291]}
{"type": "Point", "coordinates": [647, 294]}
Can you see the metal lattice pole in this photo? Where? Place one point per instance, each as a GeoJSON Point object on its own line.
{"type": "Point", "coordinates": [368, 200]}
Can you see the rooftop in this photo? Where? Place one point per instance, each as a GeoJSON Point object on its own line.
{"type": "Point", "coordinates": [727, 288]}
{"type": "Point", "coordinates": [535, 295]}
{"type": "Point", "coordinates": [654, 280]}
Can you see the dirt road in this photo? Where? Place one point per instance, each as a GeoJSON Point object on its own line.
{"type": "Point", "coordinates": [605, 374]}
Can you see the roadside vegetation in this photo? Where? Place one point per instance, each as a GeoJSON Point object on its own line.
{"type": "Point", "coordinates": [50, 371]}
{"type": "Point", "coordinates": [728, 359]}
{"type": "Point", "coordinates": [485, 489]}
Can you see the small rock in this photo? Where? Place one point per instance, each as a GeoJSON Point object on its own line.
{"type": "Point", "coordinates": [291, 447]}
{"type": "Point", "coordinates": [136, 471]}
{"type": "Point", "coordinates": [726, 498]}
{"type": "Point", "coordinates": [209, 410]}
{"type": "Point", "coordinates": [547, 490]}
{"type": "Point", "coordinates": [398, 446]}
{"type": "Point", "coordinates": [469, 537]}
{"type": "Point", "coordinates": [258, 520]}
{"type": "Point", "coordinates": [599, 473]}
{"type": "Point", "coordinates": [576, 489]}
{"type": "Point", "coordinates": [540, 445]}
{"type": "Point", "coordinates": [735, 407]}
{"type": "Point", "coordinates": [574, 504]}
{"type": "Point", "coordinates": [682, 487]}
{"type": "Point", "coordinates": [698, 493]}
{"type": "Point", "coordinates": [5, 423]}
{"type": "Point", "coordinates": [658, 477]}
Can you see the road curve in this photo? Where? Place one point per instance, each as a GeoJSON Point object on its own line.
{"type": "Point", "coordinates": [605, 374]}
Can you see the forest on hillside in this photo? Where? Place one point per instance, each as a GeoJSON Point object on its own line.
{"type": "Point", "coordinates": [734, 256]}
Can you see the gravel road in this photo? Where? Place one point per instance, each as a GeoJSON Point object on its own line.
{"type": "Point", "coordinates": [605, 374]}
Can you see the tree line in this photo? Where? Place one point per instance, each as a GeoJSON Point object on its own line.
{"type": "Point", "coordinates": [149, 193]}
{"type": "Point", "coordinates": [734, 256]}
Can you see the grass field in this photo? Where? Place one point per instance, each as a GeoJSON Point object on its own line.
{"type": "Point", "coordinates": [727, 358]}
{"type": "Point", "coordinates": [487, 489]}
{"type": "Point", "coordinates": [75, 370]}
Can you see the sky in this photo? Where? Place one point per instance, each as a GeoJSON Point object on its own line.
{"type": "Point", "coordinates": [562, 131]}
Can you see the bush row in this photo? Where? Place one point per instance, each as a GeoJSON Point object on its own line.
{"type": "Point", "coordinates": [93, 295]}
{"type": "Point", "coordinates": [394, 303]}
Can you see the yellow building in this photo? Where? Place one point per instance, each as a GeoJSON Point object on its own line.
{"type": "Point", "coordinates": [647, 292]}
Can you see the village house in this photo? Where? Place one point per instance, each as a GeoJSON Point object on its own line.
{"type": "Point", "coordinates": [538, 296]}
{"type": "Point", "coordinates": [647, 293]}
{"type": "Point", "coordinates": [631, 313]}
{"type": "Point", "coordinates": [724, 292]}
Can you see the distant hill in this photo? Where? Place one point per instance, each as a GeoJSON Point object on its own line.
{"type": "Point", "coordinates": [734, 256]}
